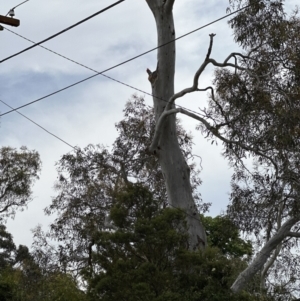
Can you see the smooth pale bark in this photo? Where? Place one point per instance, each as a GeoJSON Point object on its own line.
{"type": "Point", "coordinates": [262, 257]}
{"type": "Point", "coordinates": [269, 264]}
{"type": "Point", "coordinates": [165, 144]}
{"type": "Point", "coordinates": [174, 167]}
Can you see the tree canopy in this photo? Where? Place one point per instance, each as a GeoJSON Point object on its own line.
{"type": "Point", "coordinates": [19, 169]}
{"type": "Point", "coordinates": [23, 279]}
{"type": "Point", "coordinates": [146, 256]}
{"type": "Point", "coordinates": [89, 179]}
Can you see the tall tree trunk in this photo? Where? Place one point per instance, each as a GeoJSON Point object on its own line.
{"type": "Point", "coordinates": [175, 170]}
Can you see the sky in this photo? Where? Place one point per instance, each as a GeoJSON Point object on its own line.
{"type": "Point", "coordinates": [87, 113]}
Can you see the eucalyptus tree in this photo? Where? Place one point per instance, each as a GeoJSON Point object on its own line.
{"type": "Point", "coordinates": [165, 142]}
{"type": "Point", "coordinates": [7, 248]}
{"type": "Point", "coordinates": [257, 106]}
{"type": "Point", "coordinates": [253, 110]}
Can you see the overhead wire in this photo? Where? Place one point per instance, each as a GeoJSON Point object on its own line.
{"type": "Point", "coordinates": [37, 44]}
{"type": "Point", "coordinates": [78, 149]}
{"type": "Point", "coordinates": [137, 56]}
{"type": "Point", "coordinates": [117, 65]}
{"type": "Point", "coordinates": [82, 65]}
{"type": "Point", "coordinates": [16, 6]}
{"type": "Point", "coordinates": [97, 73]}
{"type": "Point", "coordinates": [63, 31]}
{"type": "Point", "coordinates": [65, 142]}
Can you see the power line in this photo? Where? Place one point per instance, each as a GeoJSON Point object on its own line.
{"type": "Point", "coordinates": [39, 126]}
{"type": "Point", "coordinates": [73, 62]}
{"type": "Point", "coordinates": [77, 149]}
{"type": "Point", "coordinates": [91, 69]}
{"type": "Point", "coordinates": [117, 65]}
{"type": "Point", "coordinates": [37, 44]}
{"type": "Point", "coordinates": [63, 31]}
{"type": "Point", "coordinates": [48, 95]}
{"type": "Point", "coordinates": [16, 6]}
{"type": "Point", "coordinates": [97, 73]}
{"type": "Point", "coordinates": [82, 65]}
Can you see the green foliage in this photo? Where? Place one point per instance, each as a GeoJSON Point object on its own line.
{"type": "Point", "coordinates": [59, 286]}
{"type": "Point", "coordinates": [146, 256]}
{"type": "Point", "coordinates": [7, 284]}
{"type": "Point", "coordinates": [22, 279]}
{"type": "Point", "coordinates": [89, 179]}
{"type": "Point", "coordinates": [256, 108]}
{"type": "Point", "coordinates": [19, 169]}
{"type": "Point", "coordinates": [7, 248]}
{"type": "Point", "coordinates": [224, 234]}
{"type": "Point", "coordinates": [17, 285]}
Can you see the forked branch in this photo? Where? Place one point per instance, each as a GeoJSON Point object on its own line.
{"type": "Point", "coordinates": [194, 87]}
{"type": "Point", "coordinates": [212, 129]}
{"type": "Point", "coordinates": [198, 73]}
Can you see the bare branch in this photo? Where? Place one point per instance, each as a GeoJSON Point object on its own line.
{"type": "Point", "coordinates": [215, 63]}
{"type": "Point", "coordinates": [212, 129]}
{"type": "Point", "coordinates": [293, 234]}
{"type": "Point", "coordinates": [234, 55]}
{"type": "Point", "coordinates": [198, 73]}
{"type": "Point", "coordinates": [196, 77]}
{"type": "Point", "coordinates": [263, 255]}
{"type": "Point", "coordinates": [210, 46]}
{"type": "Point", "coordinates": [216, 133]}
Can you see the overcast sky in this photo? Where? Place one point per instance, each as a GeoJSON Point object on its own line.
{"type": "Point", "coordinates": [87, 113]}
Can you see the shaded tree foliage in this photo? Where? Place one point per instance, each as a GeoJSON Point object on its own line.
{"type": "Point", "coordinates": [90, 178]}
{"type": "Point", "coordinates": [7, 248]}
{"type": "Point", "coordinates": [18, 171]}
{"type": "Point", "coordinates": [224, 234]}
{"type": "Point", "coordinates": [146, 256]}
{"type": "Point", "coordinates": [22, 279]}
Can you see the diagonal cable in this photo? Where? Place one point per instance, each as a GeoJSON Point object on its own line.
{"type": "Point", "coordinates": [65, 142]}
{"type": "Point", "coordinates": [17, 6]}
{"type": "Point", "coordinates": [122, 63]}
{"type": "Point", "coordinates": [63, 31]}
{"type": "Point", "coordinates": [82, 65]}
{"type": "Point", "coordinates": [91, 69]}
{"type": "Point", "coordinates": [78, 149]}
